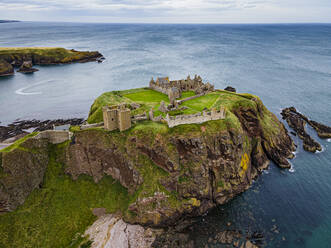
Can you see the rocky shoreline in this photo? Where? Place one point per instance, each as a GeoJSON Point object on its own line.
{"type": "Point", "coordinates": [20, 128]}
{"type": "Point", "coordinates": [298, 121]}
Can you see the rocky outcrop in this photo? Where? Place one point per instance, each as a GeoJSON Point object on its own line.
{"type": "Point", "coordinates": [27, 67]}
{"type": "Point", "coordinates": [21, 171]}
{"type": "Point", "coordinates": [6, 69]}
{"type": "Point", "coordinates": [231, 89]}
{"type": "Point", "coordinates": [298, 121]}
{"type": "Point", "coordinates": [112, 232]}
{"type": "Point", "coordinates": [95, 154]}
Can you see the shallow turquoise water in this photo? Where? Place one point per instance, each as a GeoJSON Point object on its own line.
{"type": "Point", "coordinates": [283, 64]}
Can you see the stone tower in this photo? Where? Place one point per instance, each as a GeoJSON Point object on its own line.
{"type": "Point", "coordinates": [116, 117]}
{"type": "Point", "coordinates": [124, 118]}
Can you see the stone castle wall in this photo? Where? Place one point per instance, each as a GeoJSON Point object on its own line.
{"type": "Point", "coordinates": [159, 89]}
{"type": "Point", "coordinates": [54, 137]}
{"type": "Point", "coordinates": [190, 98]}
{"type": "Point", "coordinates": [195, 118]}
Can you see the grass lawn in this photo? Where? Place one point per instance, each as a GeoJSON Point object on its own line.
{"type": "Point", "coordinates": [147, 95]}
{"type": "Point", "coordinates": [187, 94]}
{"type": "Point", "coordinates": [206, 101]}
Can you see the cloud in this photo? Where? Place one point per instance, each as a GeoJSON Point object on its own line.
{"type": "Point", "coordinates": [167, 10]}
{"type": "Point", "coordinates": [112, 5]}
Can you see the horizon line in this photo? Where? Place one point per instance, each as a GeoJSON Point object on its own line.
{"type": "Point", "coordinates": [180, 23]}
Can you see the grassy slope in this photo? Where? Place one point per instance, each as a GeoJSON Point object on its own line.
{"type": "Point", "coordinates": [61, 210]}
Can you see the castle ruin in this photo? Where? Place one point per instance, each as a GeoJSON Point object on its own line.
{"type": "Point", "coordinates": [175, 88]}
{"type": "Point", "coordinates": [196, 118]}
{"type": "Point", "coordinates": [116, 117]}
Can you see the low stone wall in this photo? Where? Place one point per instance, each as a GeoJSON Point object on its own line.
{"type": "Point", "coordinates": [86, 126]}
{"type": "Point", "coordinates": [195, 118]}
{"type": "Point", "coordinates": [54, 137]}
{"type": "Point", "coordinates": [141, 117]}
{"type": "Point", "coordinates": [190, 98]}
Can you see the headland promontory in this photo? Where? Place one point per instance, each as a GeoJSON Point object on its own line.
{"type": "Point", "coordinates": [25, 57]}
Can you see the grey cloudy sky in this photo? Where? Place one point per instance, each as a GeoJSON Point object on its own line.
{"type": "Point", "coordinates": [168, 11]}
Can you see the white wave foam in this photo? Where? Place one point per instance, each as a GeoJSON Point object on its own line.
{"type": "Point", "coordinates": [292, 170]}
{"type": "Point", "coordinates": [323, 149]}
{"type": "Point", "coordinates": [21, 91]}
{"type": "Point", "coordinates": [328, 140]}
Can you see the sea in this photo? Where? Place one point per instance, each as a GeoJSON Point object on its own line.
{"type": "Point", "coordinates": [284, 64]}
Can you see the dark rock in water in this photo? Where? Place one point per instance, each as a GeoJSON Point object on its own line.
{"type": "Point", "coordinates": [27, 67]}
{"type": "Point", "coordinates": [173, 239]}
{"type": "Point", "coordinates": [227, 236]}
{"type": "Point", "coordinates": [20, 127]}
{"type": "Point", "coordinates": [231, 89]}
{"type": "Point", "coordinates": [6, 69]}
{"type": "Point", "coordinates": [293, 133]}
{"type": "Point", "coordinates": [100, 60]}
{"type": "Point", "coordinates": [298, 121]}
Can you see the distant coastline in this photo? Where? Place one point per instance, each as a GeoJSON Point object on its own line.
{"type": "Point", "coordinates": [8, 21]}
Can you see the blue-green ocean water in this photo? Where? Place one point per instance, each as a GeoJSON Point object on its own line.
{"type": "Point", "coordinates": [283, 64]}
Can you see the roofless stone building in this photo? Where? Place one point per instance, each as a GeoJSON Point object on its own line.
{"type": "Point", "coordinates": [116, 117]}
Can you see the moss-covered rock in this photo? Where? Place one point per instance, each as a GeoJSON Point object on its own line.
{"type": "Point", "coordinates": [6, 69]}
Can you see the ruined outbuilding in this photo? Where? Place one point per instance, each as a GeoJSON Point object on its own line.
{"type": "Point", "coordinates": [116, 117]}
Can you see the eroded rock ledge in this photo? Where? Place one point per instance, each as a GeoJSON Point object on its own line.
{"type": "Point", "coordinates": [298, 121]}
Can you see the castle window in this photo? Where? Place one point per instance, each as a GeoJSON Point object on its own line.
{"type": "Point", "coordinates": [112, 119]}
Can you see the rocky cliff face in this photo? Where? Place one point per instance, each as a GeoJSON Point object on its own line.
{"type": "Point", "coordinates": [21, 171]}
{"type": "Point", "coordinates": [6, 69]}
{"type": "Point", "coordinates": [177, 173]}
{"type": "Point", "coordinates": [170, 174]}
